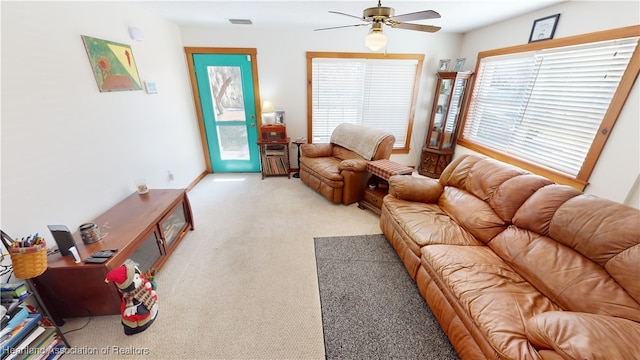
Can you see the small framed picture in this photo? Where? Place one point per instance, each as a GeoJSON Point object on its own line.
{"type": "Point", "coordinates": [150, 87]}
{"type": "Point", "coordinates": [544, 28]}
{"type": "Point", "coordinates": [279, 117]}
{"type": "Point", "coordinates": [444, 65]}
{"type": "Point", "coordinates": [459, 64]}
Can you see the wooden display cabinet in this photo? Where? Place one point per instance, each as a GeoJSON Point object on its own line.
{"type": "Point", "coordinates": [442, 133]}
{"type": "Point", "coordinates": [145, 228]}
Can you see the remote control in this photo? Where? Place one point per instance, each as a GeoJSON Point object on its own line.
{"type": "Point", "coordinates": [92, 260]}
{"type": "Point", "coordinates": [102, 254]}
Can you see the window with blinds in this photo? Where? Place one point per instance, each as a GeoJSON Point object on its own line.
{"type": "Point", "coordinates": [547, 106]}
{"type": "Point", "coordinates": [377, 93]}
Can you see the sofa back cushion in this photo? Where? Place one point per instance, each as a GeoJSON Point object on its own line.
{"type": "Point", "coordinates": [563, 275]}
{"type": "Point", "coordinates": [343, 153]}
{"type": "Point", "coordinates": [502, 186]}
{"type": "Point", "coordinates": [470, 212]}
{"type": "Point", "coordinates": [605, 232]}
{"type": "Point", "coordinates": [581, 251]}
{"type": "Point", "coordinates": [483, 194]}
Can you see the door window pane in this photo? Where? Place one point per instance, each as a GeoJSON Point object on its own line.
{"type": "Point", "coordinates": [233, 142]}
{"type": "Point", "coordinates": [226, 93]}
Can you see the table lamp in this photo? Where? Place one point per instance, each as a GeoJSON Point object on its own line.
{"type": "Point", "coordinates": [268, 113]}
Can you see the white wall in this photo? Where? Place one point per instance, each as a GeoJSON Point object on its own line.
{"type": "Point", "coordinates": [615, 174]}
{"type": "Point", "coordinates": [282, 66]}
{"type": "Point", "coordinates": [70, 152]}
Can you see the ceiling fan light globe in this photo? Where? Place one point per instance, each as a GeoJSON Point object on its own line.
{"type": "Point", "coordinates": [375, 41]}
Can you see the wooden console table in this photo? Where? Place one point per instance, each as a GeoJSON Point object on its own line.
{"type": "Point", "coordinates": [145, 228]}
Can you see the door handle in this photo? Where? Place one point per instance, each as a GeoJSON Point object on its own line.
{"type": "Point", "coordinates": [252, 116]}
{"type": "Point", "coordinates": [252, 124]}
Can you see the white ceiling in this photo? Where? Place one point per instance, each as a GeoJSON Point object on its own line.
{"type": "Point", "coordinates": [458, 16]}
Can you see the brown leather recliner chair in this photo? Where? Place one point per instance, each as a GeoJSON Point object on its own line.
{"type": "Point", "coordinates": [337, 170]}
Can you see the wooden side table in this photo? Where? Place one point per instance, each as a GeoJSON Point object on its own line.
{"type": "Point", "coordinates": [381, 171]}
{"type": "Point", "coordinates": [274, 157]}
{"type": "Point", "coordinates": [299, 142]}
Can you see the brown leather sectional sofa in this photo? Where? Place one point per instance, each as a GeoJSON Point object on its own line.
{"type": "Point", "coordinates": [516, 267]}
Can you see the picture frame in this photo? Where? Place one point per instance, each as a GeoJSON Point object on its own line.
{"type": "Point", "coordinates": [459, 64]}
{"type": "Point", "coordinates": [279, 116]}
{"type": "Point", "coordinates": [113, 65]}
{"type": "Point", "coordinates": [443, 65]}
{"type": "Point", "coordinates": [544, 28]}
{"type": "Point", "coordinates": [150, 87]}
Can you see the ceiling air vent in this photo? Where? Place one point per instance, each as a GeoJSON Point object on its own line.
{"type": "Point", "coordinates": [240, 21]}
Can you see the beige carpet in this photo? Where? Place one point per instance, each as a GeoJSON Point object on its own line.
{"type": "Point", "coordinates": [243, 285]}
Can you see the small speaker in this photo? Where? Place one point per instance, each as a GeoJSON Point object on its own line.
{"type": "Point", "coordinates": [63, 238]}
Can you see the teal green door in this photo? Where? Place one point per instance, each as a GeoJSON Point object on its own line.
{"type": "Point", "coordinates": [227, 99]}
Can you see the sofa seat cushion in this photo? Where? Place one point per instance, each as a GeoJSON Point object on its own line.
{"type": "Point", "coordinates": [426, 224]}
{"type": "Point", "coordinates": [498, 300]}
{"type": "Point", "coordinates": [324, 167]}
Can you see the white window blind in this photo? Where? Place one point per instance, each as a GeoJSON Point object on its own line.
{"type": "Point", "coordinates": [546, 106]}
{"type": "Point", "coordinates": [374, 93]}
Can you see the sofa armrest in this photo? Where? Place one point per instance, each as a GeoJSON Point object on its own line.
{"type": "Point", "coordinates": [411, 188]}
{"type": "Point", "coordinates": [353, 165]}
{"type": "Point", "coordinates": [583, 335]}
{"type": "Point", "coordinates": [316, 150]}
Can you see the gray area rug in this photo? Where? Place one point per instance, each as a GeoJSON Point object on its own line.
{"type": "Point", "coordinates": [371, 309]}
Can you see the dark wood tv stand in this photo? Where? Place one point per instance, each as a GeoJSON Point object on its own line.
{"type": "Point", "coordinates": [145, 228]}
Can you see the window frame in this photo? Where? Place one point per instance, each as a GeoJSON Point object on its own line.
{"type": "Point", "coordinates": [580, 181]}
{"type": "Point", "coordinates": [348, 55]}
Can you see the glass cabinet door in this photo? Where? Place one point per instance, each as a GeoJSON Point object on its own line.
{"type": "Point", "coordinates": [454, 111]}
{"type": "Point", "coordinates": [440, 118]}
{"type": "Point", "coordinates": [442, 132]}
{"type": "Point", "coordinates": [173, 225]}
{"type": "Point", "coordinates": [148, 252]}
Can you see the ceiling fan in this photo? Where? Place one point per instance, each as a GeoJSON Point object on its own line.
{"type": "Point", "coordinates": [381, 15]}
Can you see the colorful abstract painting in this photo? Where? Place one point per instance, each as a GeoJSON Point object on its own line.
{"type": "Point", "coordinates": [113, 65]}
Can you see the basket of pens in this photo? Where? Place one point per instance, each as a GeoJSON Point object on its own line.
{"type": "Point", "coordinates": [28, 255]}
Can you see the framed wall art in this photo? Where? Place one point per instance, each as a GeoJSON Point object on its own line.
{"type": "Point", "coordinates": [544, 28]}
{"type": "Point", "coordinates": [113, 65]}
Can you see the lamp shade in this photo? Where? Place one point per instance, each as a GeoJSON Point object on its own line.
{"type": "Point", "coordinates": [376, 40]}
{"type": "Point", "coordinates": [268, 113]}
{"type": "Point", "coordinates": [267, 107]}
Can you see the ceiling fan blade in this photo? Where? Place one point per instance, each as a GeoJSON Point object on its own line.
{"type": "Point", "coordinates": [420, 15]}
{"type": "Point", "coordinates": [349, 15]}
{"type": "Point", "coordinates": [418, 27]}
{"type": "Point", "coordinates": [338, 27]}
